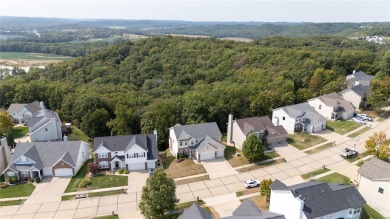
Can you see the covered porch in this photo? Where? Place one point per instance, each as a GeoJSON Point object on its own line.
{"type": "Point", "coordinates": [118, 162]}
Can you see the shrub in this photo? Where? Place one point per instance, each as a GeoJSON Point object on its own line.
{"type": "Point", "coordinates": [120, 171]}
{"type": "Point", "coordinates": [37, 180]}
{"type": "Point", "coordinates": [30, 180]}
{"type": "Point", "coordinates": [85, 182]}
{"type": "Point", "coordinates": [93, 168]}
{"type": "Point", "coordinates": [12, 179]}
{"type": "Point", "coordinates": [126, 171]}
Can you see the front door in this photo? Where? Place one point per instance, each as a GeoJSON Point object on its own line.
{"type": "Point", "coordinates": [116, 164]}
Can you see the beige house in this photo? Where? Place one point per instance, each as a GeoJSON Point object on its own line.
{"type": "Point", "coordinates": [356, 95]}
{"type": "Point", "coordinates": [5, 154]}
{"type": "Point", "coordinates": [333, 107]}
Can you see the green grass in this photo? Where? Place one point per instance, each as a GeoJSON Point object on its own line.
{"type": "Point", "coordinates": [320, 148]}
{"type": "Point", "coordinates": [384, 116]}
{"type": "Point", "coordinates": [74, 182]}
{"type": "Point", "coordinates": [188, 204]}
{"type": "Point", "coordinates": [67, 197]}
{"type": "Point", "coordinates": [370, 213]}
{"type": "Point", "coordinates": [342, 126]}
{"type": "Point", "coordinates": [224, 138]}
{"type": "Point", "coordinates": [360, 163]}
{"type": "Point", "coordinates": [80, 134]}
{"type": "Point", "coordinates": [108, 181]}
{"type": "Point", "coordinates": [360, 156]}
{"type": "Point", "coordinates": [361, 131]}
{"type": "Point", "coordinates": [314, 173]}
{"type": "Point", "coordinates": [2, 179]}
{"type": "Point", "coordinates": [31, 56]}
{"type": "Point", "coordinates": [19, 190]}
{"type": "Point", "coordinates": [13, 202]}
{"type": "Point", "coordinates": [94, 194]}
{"type": "Point", "coordinates": [258, 166]}
{"type": "Point", "coordinates": [236, 161]}
{"type": "Point", "coordinates": [20, 131]}
{"type": "Point", "coordinates": [304, 140]}
{"type": "Point", "coordinates": [107, 217]}
{"type": "Point", "coordinates": [335, 178]}
{"type": "Point", "coordinates": [193, 179]}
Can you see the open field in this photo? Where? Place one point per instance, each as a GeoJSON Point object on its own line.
{"type": "Point", "coordinates": [31, 56]}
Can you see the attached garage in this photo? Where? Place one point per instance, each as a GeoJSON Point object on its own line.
{"type": "Point", "coordinates": [63, 172]}
{"type": "Point", "coordinates": [137, 166]}
{"type": "Point", "coordinates": [206, 155]}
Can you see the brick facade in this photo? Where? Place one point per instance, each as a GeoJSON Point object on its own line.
{"type": "Point", "coordinates": [108, 159]}
{"type": "Point", "coordinates": [61, 165]}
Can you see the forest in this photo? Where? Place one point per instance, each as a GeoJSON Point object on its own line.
{"type": "Point", "coordinates": [134, 87]}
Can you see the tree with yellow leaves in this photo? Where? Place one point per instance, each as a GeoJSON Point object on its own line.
{"type": "Point", "coordinates": [378, 145]}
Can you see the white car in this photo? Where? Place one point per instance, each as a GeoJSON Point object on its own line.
{"type": "Point", "coordinates": [250, 183]}
{"type": "Point", "coordinates": [349, 152]}
{"type": "Point", "coordinates": [358, 120]}
{"type": "Point", "coordinates": [364, 117]}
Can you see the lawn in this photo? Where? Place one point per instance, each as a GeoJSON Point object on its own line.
{"type": "Point", "coordinates": [188, 204]}
{"type": "Point", "coordinates": [74, 182]}
{"type": "Point", "coordinates": [335, 178]}
{"type": "Point", "coordinates": [260, 201]}
{"type": "Point", "coordinates": [359, 132]}
{"type": "Point", "coordinates": [174, 169]}
{"type": "Point", "coordinates": [360, 156]}
{"type": "Point", "coordinates": [13, 202]}
{"type": "Point", "coordinates": [19, 190]}
{"type": "Point", "coordinates": [248, 191]}
{"type": "Point", "coordinates": [93, 194]}
{"type": "Point", "coordinates": [304, 140]}
{"type": "Point", "coordinates": [32, 56]}
{"type": "Point", "coordinates": [258, 166]}
{"type": "Point", "coordinates": [78, 135]}
{"type": "Point", "coordinates": [320, 148]}
{"type": "Point", "coordinates": [342, 126]}
{"type": "Point", "coordinates": [108, 181]}
{"type": "Point", "coordinates": [314, 173]}
{"type": "Point", "coordinates": [190, 180]}
{"type": "Point", "coordinates": [239, 160]}
{"type": "Point", "coordinates": [370, 213]}
{"type": "Point", "coordinates": [20, 131]}
{"type": "Point", "coordinates": [107, 217]}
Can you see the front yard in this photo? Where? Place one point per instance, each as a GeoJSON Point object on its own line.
{"type": "Point", "coordinates": [335, 178]}
{"type": "Point", "coordinates": [304, 140]}
{"type": "Point", "coordinates": [314, 173]}
{"type": "Point", "coordinates": [342, 126]}
{"type": "Point", "coordinates": [361, 131]}
{"type": "Point", "coordinates": [175, 169]}
{"type": "Point", "coordinates": [19, 190]}
{"type": "Point", "coordinates": [236, 158]}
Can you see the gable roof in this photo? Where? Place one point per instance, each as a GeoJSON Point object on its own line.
{"type": "Point", "coordinates": [248, 210]}
{"type": "Point", "coordinates": [208, 144]}
{"type": "Point", "coordinates": [197, 131]}
{"type": "Point", "coordinates": [334, 99]}
{"type": "Point", "coordinates": [33, 106]}
{"type": "Point", "coordinates": [247, 125]}
{"type": "Point", "coordinates": [360, 75]}
{"type": "Point", "coordinates": [323, 198]}
{"type": "Point", "coordinates": [41, 115]}
{"type": "Point", "coordinates": [375, 169]}
{"type": "Point", "coordinates": [195, 212]}
{"type": "Point", "coordinates": [360, 90]}
{"type": "Point", "coordinates": [16, 107]}
{"type": "Point", "coordinates": [304, 109]}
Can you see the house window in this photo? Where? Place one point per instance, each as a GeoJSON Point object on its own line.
{"type": "Point", "coordinates": [24, 174]}
{"type": "Point", "coordinates": [181, 143]}
{"type": "Point", "coordinates": [11, 174]}
{"type": "Point", "coordinates": [103, 165]}
{"type": "Point", "coordinates": [185, 143]}
{"type": "Point", "coordinates": [196, 141]}
{"type": "Point", "coordinates": [350, 212]}
{"type": "Point", "coordinates": [381, 190]}
{"type": "Point", "coordinates": [192, 142]}
{"type": "Point", "coordinates": [103, 155]}
{"type": "Point", "coordinates": [45, 129]}
{"type": "Point", "coordinates": [284, 118]}
{"type": "Point", "coordinates": [319, 107]}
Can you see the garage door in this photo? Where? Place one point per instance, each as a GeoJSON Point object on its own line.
{"type": "Point", "coordinates": [220, 153]}
{"type": "Point", "coordinates": [207, 156]}
{"type": "Point", "coordinates": [137, 166]}
{"type": "Point", "coordinates": [63, 172]}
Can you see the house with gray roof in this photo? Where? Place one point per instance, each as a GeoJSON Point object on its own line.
{"type": "Point", "coordinates": [359, 77]}
{"type": "Point", "coordinates": [298, 118]}
{"type": "Point", "coordinates": [333, 107]}
{"type": "Point", "coordinates": [195, 212]}
{"type": "Point", "coordinates": [131, 152]}
{"type": "Point", "coordinates": [44, 125]}
{"type": "Point", "coordinates": [239, 129]}
{"type": "Point", "coordinates": [357, 95]}
{"type": "Point", "coordinates": [374, 184]}
{"type": "Point", "coordinates": [5, 153]}
{"type": "Point", "coordinates": [199, 141]}
{"type": "Point", "coordinates": [22, 111]}
{"type": "Point", "coordinates": [316, 200]}
{"type": "Point", "coordinates": [39, 159]}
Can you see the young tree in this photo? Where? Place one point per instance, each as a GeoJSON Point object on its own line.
{"type": "Point", "coordinates": [158, 195]}
{"type": "Point", "coordinates": [253, 148]}
{"type": "Point", "coordinates": [93, 168]}
{"type": "Point", "coordinates": [265, 189]}
{"type": "Point", "coordinates": [378, 145]}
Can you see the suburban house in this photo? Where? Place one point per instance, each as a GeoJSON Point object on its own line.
{"type": "Point", "coordinates": [333, 107]}
{"type": "Point", "coordinates": [5, 154]}
{"type": "Point", "coordinates": [357, 95]}
{"type": "Point", "coordinates": [246, 210]}
{"type": "Point", "coordinates": [39, 159]}
{"type": "Point", "coordinates": [298, 118]}
{"type": "Point", "coordinates": [374, 184]}
{"type": "Point", "coordinates": [200, 141]}
{"type": "Point", "coordinates": [131, 152]}
{"type": "Point", "coordinates": [22, 111]}
{"type": "Point", "coordinates": [316, 200]}
{"type": "Point", "coordinates": [44, 125]}
{"type": "Point", "coordinates": [238, 130]}
{"type": "Point", "coordinates": [359, 77]}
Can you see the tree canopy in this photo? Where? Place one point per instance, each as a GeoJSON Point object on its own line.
{"type": "Point", "coordinates": [378, 145]}
{"type": "Point", "coordinates": [253, 148]}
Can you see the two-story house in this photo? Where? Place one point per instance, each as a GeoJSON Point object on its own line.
{"type": "Point", "coordinates": [22, 111]}
{"type": "Point", "coordinates": [316, 200]}
{"type": "Point", "coordinates": [239, 129]}
{"type": "Point", "coordinates": [44, 125]}
{"type": "Point", "coordinates": [357, 95]}
{"type": "Point", "coordinates": [333, 107]}
{"type": "Point", "coordinates": [359, 77]}
{"type": "Point", "coordinates": [199, 141]}
{"type": "Point", "coordinates": [298, 118]}
{"type": "Point", "coordinates": [5, 154]}
{"type": "Point", "coordinates": [132, 152]}
{"type": "Point", "coordinates": [374, 184]}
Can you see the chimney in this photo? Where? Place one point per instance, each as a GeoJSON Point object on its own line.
{"type": "Point", "coordinates": [155, 133]}
{"type": "Point", "coordinates": [42, 105]}
{"type": "Point", "coordinates": [353, 72]}
{"type": "Point", "coordinates": [229, 129]}
{"type": "Point", "coordinates": [65, 138]}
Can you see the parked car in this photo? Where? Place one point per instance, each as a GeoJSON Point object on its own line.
{"type": "Point", "coordinates": [151, 172]}
{"type": "Point", "coordinates": [358, 120]}
{"type": "Point", "coordinates": [364, 117]}
{"type": "Point", "coordinates": [349, 152]}
{"type": "Point", "coordinates": [250, 183]}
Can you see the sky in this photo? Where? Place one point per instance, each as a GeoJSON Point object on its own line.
{"type": "Point", "coordinates": [202, 10]}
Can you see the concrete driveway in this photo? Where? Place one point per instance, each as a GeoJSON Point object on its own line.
{"type": "Point", "coordinates": [136, 181]}
{"type": "Point", "coordinates": [49, 190]}
{"type": "Point", "coordinates": [218, 167]}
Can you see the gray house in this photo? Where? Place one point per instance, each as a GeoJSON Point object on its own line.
{"type": "Point", "coordinates": [359, 77]}
{"type": "Point", "coordinates": [357, 95]}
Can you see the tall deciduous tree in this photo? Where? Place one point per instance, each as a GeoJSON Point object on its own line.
{"type": "Point", "coordinates": [6, 124]}
{"type": "Point", "coordinates": [94, 124]}
{"type": "Point", "coordinates": [253, 148]}
{"type": "Point", "coordinates": [158, 195]}
{"type": "Point", "coordinates": [265, 189]}
{"type": "Point", "coordinates": [378, 145]}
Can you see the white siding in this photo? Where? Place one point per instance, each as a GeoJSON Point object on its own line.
{"type": "Point", "coordinates": [137, 166]}
{"type": "Point", "coordinates": [220, 153]}
{"type": "Point", "coordinates": [49, 131]}
{"type": "Point", "coordinates": [288, 123]}
{"type": "Point", "coordinates": [324, 110]}
{"type": "Point", "coordinates": [82, 156]}
{"type": "Point", "coordinates": [151, 164]}
{"type": "Point", "coordinates": [238, 136]}
{"type": "Point", "coordinates": [369, 190]}
{"type": "Point", "coordinates": [283, 202]}
{"type": "Point", "coordinates": [47, 171]}
{"type": "Point", "coordinates": [174, 147]}
{"type": "Point", "coordinates": [136, 163]}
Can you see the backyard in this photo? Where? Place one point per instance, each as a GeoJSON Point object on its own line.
{"type": "Point", "coordinates": [236, 158]}
{"type": "Point", "coordinates": [304, 140]}
{"type": "Point", "coordinates": [342, 126]}
{"type": "Point", "coordinates": [19, 131]}
{"type": "Point", "coordinates": [176, 169]}
{"type": "Point", "coordinates": [335, 178]}
{"type": "Point", "coordinates": [19, 190]}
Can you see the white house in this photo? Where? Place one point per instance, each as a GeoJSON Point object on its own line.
{"type": "Point", "coordinates": [332, 106]}
{"type": "Point", "coordinates": [200, 141]}
{"type": "Point", "coordinates": [298, 117]}
{"type": "Point", "coordinates": [132, 152]}
{"type": "Point", "coordinates": [359, 77]}
{"type": "Point", "coordinates": [38, 159]}
{"type": "Point", "coordinates": [44, 125]}
{"type": "Point", "coordinates": [374, 185]}
{"type": "Point", "coordinates": [316, 200]}
{"type": "Point", "coordinates": [357, 95]}
{"type": "Point", "coordinates": [22, 111]}
{"type": "Point", "coordinates": [238, 130]}
{"type": "Point", "coordinates": [5, 154]}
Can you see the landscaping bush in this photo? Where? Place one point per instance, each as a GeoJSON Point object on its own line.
{"type": "Point", "coordinates": [126, 171]}
{"type": "Point", "coordinates": [93, 168]}
{"type": "Point", "coordinates": [85, 182]}
{"type": "Point", "coordinates": [37, 180]}
{"type": "Point", "coordinates": [120, 171]}
{"type": "Point", "coordinates": [12, 179]}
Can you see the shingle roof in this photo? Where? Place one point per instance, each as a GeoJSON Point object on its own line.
{"type": "Point", "coordinates": [248, 210]}
{"type": "Point", "coordinates": [360, 90]}
{"type": "Point", "coordinates": [16, 107]}
{"type": "Point", "coordinates": [311, 115]}
{"type": "Point", "coordinates": [197, 131]}
{"type": "Point", "coordinates": [360, 75]}
{"type": "Point", "coordinates": [125, 142]}
{"type": "Point", "coordinates": [334, 99]}
{"type": "Point", "coordinates": [39, 116]}
{"type": "Point", "coordinates": [33, 106]}
{"type": "Point", "coordinates": [324, 198]}
{"type": "Point", "coordinates": [375, 169]}
{"type": "Point", "coordinates": [259, 124]}
{"type": "Point", "coordinates": [195, 212]}
{"type": "Point", "coordinates": [208, 144]}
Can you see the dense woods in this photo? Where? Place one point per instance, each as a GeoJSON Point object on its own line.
{"type": "Point", "coordinates": [158, 82]}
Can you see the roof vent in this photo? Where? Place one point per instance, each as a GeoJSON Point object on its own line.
{"type": "Point", "coordinates": [323, 191]}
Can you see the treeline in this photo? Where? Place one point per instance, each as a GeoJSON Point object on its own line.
{"type": "Point", "coordinates": [158, 82]}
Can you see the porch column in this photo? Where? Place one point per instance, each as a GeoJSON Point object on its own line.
{"type": "Point", "coordinates": [39, 174]}
{"type": "Point", "coordinates": [30, 174]}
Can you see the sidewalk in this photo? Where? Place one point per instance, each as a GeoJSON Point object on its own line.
{"type": "Point", "coordinates": [96, 190]}
{"type": "Point", "coordinates": [13, 198]}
